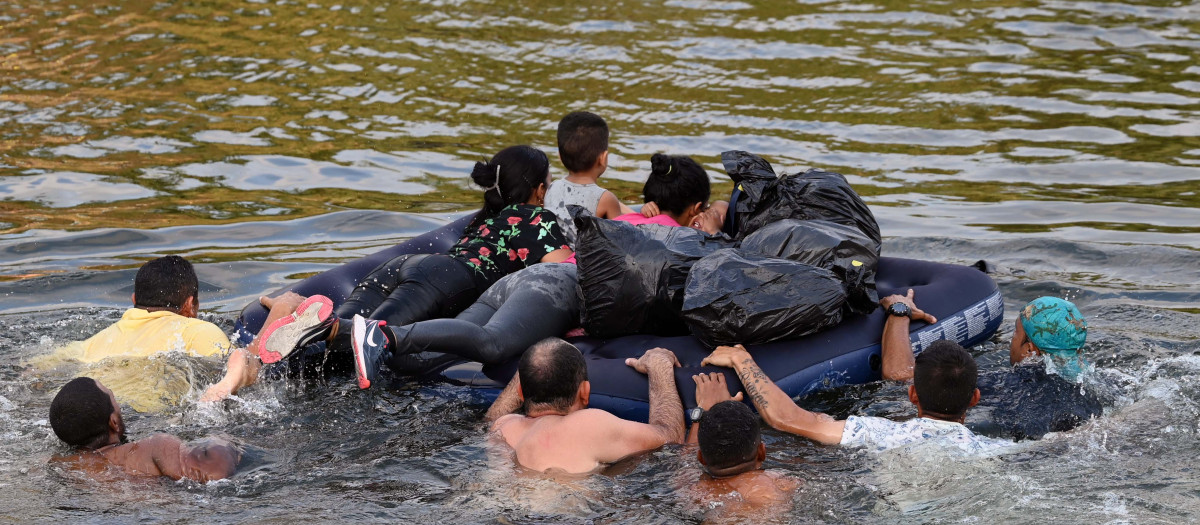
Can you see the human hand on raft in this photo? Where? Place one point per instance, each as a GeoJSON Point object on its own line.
{"type": "Point", "coordinates": [711, 389]}
{"type": "Point", "coordinates": [652, 356]}
{"type": "Point", "coordinates": [650, 210]}
{"type": "Point", "coordinates": [726, 356]}
{"type": "Point", "coordinates": [914, 313]}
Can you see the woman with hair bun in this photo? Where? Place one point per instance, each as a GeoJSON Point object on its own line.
{"type": "Point", "coordinates": [510, 233]}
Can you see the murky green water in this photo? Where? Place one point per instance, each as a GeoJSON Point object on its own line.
{"type": "Point", "coordinates": [267, 140]}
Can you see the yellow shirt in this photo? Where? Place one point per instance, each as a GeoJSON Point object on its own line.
{"type": "Point", "coordinates": [140, 334]}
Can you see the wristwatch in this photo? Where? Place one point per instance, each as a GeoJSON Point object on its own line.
{"type": "Point", "coordinates": [695, 414]}
{"type": "Point", "coordinates": [899, 309]}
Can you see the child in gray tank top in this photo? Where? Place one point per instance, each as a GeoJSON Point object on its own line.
{"type": "Point", "coordinates": [583, 149]}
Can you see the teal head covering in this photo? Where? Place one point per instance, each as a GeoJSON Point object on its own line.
{"type": "Point", "coordinates": [1057, 328]}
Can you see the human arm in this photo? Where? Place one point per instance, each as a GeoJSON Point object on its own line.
{"type": "Point", "coordinates": [558, 255]}
{"type": "Point", "coordinates": [776, 407]}
{"type": "Point", "coordinates": [898, 360]}
{"type": "Point", "coordinates": [611, 438]}
{"type": "Point", "coordinates": [710, 390]}
{"type": "Point", "coordinates": [609, 207]}
{"type": "Point", "coordinates": [508, 402]}
{"type": "Point", "coordinates": [166, 455]}
{"type": "Point", "coordinates": [241, 369]}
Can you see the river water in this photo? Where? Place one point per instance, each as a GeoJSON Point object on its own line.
{"type": "Point", "coordinates": [267, 140]}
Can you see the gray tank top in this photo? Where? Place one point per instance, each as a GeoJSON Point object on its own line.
{"type": "Point", "coordinates": [563, 192]}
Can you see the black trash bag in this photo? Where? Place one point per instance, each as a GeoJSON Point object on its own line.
{"type": "Point", "coordinates": [837, 247]}
{"type": "Point", "coordinates": [631, 278]}
{"type": "Point", "coordinates": [812, 195]}
{"type": "Point", "coordinates": [734, 298]}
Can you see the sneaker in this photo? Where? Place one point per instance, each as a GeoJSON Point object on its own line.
{"type": "Point", "coordinates": [370, 347]}
{"type": "Point", "coordinates": [308, 324]}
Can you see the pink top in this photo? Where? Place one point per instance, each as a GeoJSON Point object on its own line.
{"type": "Point", "coordinates": [638, 218]}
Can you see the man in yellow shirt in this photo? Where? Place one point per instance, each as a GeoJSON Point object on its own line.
{"type": "Point", "coordinates": [163, 318]}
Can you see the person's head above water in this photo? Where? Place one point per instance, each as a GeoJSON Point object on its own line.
{"type": "Point", "coordinates": [1049, 325]}
{"type": "Point", "coordinates": [516, 175]}
{"type": "Point", "coordinates": [583, 142]}
{"type": "Point", "coordinates": [167, 283]}
{"type": "Point", "coordinates": [944, 377]}
{"type": "Point", "coordinates": [84, 414]}
{"type": "Point", "coordinates": [730, 440]}
{"type": "Point", "coordinates": [678, 185]}
{"type": "Point", "coordinates": [553, 378]}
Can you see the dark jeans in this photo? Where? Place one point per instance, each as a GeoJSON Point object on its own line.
{"type": "Point", "coordinates": [411, 288]}
{"type": "Point", "coordinates": [519, 310]}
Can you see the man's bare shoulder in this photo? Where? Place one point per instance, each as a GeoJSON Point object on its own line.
{"type": "Point", "coordinates": [504, 421]}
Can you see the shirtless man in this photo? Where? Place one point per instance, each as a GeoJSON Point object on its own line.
{"type": "Point", "coordinates": [87, 417]}
{"type": "Point", "coordinates": [734, 485]}
{"type": "Point", "coordinates": [558, 431]}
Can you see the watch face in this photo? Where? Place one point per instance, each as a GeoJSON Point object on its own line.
{"type": "Point", "coordinates": [898, 309]}
{"type": "Point", "coordinates": [695, 413]}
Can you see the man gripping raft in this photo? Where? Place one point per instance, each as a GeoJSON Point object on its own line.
{"type": "Point", "coordinates": [943, 389]}
{"type": "Point", "coordinates": [558, 432]}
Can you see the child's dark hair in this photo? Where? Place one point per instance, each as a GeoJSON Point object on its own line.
{"type": "Point", "coordinates": [675, 182]}
{"type": "Point", "coordinates": [509, 178]}
{"type": "Point", "coordinates": [582, 137]}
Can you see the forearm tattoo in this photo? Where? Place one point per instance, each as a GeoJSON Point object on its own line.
{"type": "Point", "coordinates": [754, 380]}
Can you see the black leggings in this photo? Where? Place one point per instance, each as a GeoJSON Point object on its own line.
{"type": "Point", "coordinates": [411, 288]}
{"type": "Point", "coordinates": [521, 309]}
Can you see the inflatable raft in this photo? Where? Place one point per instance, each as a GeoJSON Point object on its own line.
{"type": "Point", "coordinates": [965, 300]}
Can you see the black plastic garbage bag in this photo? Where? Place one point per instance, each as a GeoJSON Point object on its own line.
{"type": "Point", "coordinates": [812, 195]}
{"type": "Point", "coordinates": [837, 247]}
{"type": "Point", "coordinates": [631, 278]}
{"type": "Point", "coordinates": [734, 298]}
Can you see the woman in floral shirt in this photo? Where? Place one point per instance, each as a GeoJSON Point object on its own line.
{"type": "Point", "coordinates": [511, 232]}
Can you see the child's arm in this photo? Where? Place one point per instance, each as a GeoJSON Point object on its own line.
{"type": "Point", "coordinates": [611, 208]}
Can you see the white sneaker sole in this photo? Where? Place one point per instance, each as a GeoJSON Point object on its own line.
{"type": "Point", "coordinates": [281, 338]}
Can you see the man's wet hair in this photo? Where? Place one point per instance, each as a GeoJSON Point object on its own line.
{"type": "Point", "coordinates": [675, 183]}
{"type": "Point", "coordinates": [551, 372]}
{"type": "Point", "coordinates": [582, 137]}
{"type": "Point", "coordinates": [80, 413]}
{"type": "Point", "coordinates": [729, 435]}
{"type": "Point", "coordinates": [945, 376]}
{"type": "Point", "coordinates": [165, 282]}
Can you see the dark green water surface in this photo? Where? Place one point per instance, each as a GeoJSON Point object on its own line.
{"type": "Point", "coordinates": [267, 140]}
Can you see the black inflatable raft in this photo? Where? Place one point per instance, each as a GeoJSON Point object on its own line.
{"type": "Point", "coordinates": [965, 300]}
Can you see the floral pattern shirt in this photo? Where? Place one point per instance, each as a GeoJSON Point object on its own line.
{"type": "Point", "coordinates": [516, 237]}
{"type": "Point", "coordinates": [877, 434]}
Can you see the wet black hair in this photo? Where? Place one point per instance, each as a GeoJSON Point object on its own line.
{"type": "Point", "coordinates": [165, 282]}
{"type": "Point", "coordinates": [520, 170]}
{"type": "Point", "coordinates": [945, 376]}
{"type": "Point", "coordinates": [551, 372]}
{"type": "Point", "coordinates": [582, 137]}
{"type": "Point", "coordinates": [80, 413]}
{"type": "Point", "coordinates": [675, 182]}
{"type": "Point", "coordinates": [729, 435]}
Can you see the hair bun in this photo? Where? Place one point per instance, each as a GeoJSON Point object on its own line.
{"type": "Point", "coordinates": [485, 174]}
{"type": "Point", "coordinates": [662, 164]}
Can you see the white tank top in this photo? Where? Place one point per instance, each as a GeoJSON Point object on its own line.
{"type": "Point", "coordinates": [563, 192]}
